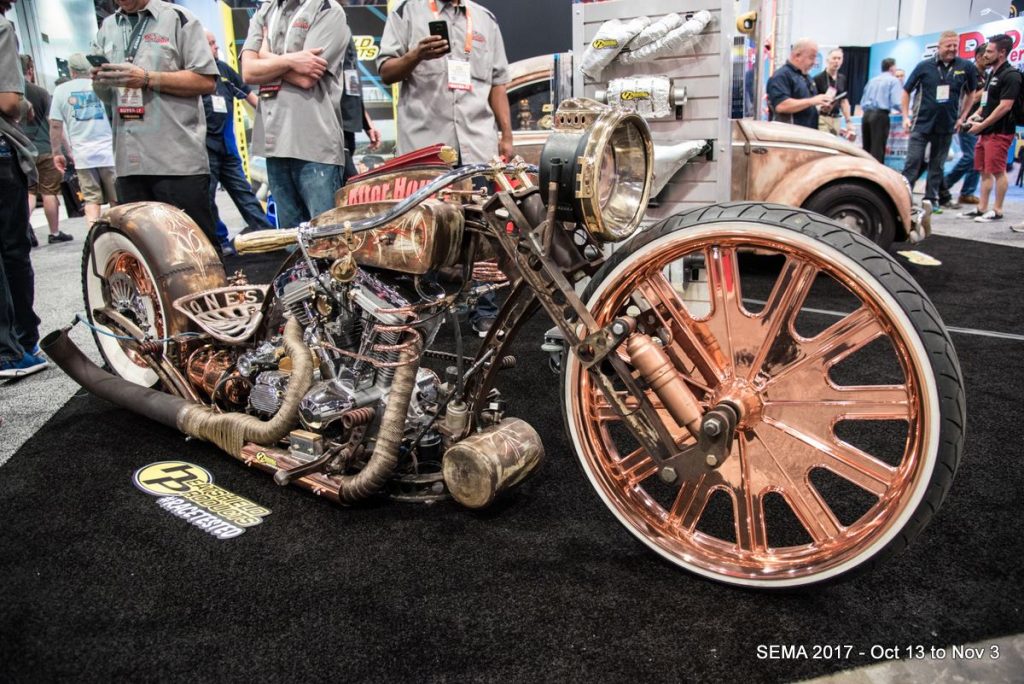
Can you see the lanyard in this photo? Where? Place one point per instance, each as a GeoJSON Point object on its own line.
{"type": "Point", "coordinates": [943, 76]}
{"type": "Point", "coordinates": [275, 17]}
{"type": "Point", "coordinates": [133, 42]}
{"type": "Point", "coordinates": [469, 24]}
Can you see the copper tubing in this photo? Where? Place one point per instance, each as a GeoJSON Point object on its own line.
{"type": "Point", "coordinates": [654, 364]}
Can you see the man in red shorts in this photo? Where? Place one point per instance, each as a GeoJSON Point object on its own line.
{"type": "Point", "coordinates": [995, 123]}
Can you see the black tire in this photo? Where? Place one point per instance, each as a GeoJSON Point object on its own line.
{"type": "Point", "coordinates": [859, 209]}
{"type": "Point", "coordinates": [937, 367]}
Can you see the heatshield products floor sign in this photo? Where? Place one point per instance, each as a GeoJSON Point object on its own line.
{"type": "Point", "coordinates": [188, 492]}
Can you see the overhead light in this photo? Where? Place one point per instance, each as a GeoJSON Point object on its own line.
{"type": "Point", "coordinates": [890, 29]}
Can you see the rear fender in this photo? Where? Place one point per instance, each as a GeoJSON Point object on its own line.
{"type": "Point", "coordinates": [182, 258]}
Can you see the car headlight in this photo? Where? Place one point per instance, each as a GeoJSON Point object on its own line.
{"type": "Point", "coordinates": [603, 160]}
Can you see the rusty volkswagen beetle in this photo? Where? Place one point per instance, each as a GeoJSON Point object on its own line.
{"type": "Point", "coordinates": [771, 162]}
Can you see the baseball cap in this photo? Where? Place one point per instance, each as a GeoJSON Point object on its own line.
{"type": "Point", "coordinates": [78, 62]}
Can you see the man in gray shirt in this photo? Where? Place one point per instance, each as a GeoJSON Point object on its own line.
{"type": "Point", "coordinates": [454, 97]}
{"type": "Point", "coordinates": [294, 53]}
{"type": "Point", "coordinates": [19, 325]}
{"type": "Point", "coordinates": [450, 92]}
{"type": "Point", "coordinates": [160, 66]}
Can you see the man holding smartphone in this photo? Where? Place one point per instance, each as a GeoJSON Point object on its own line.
{"type": "Point", "coordinates": [452, 90]}
{"type": "Point", "coordinates": [159, 66]}
{"type": "Point", "coordinates": [831, 82]}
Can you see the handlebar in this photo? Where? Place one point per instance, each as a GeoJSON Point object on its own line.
{"type": "Point", "coordinates": [269, 240]}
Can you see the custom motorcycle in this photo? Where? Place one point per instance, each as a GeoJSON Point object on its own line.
{"type": "Point", "coordinates": [755, 393]}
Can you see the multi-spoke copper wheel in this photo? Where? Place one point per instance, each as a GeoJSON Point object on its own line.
{"type": "Point", "coordinates": [838, 438]}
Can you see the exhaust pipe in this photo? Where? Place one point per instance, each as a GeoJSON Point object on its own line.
{"type": "Point", "coordinates": [235, 432]}
{"type": "Point", "coordinates": [229, 431]}
{"type": "Point", "coordinates": [158, 406]}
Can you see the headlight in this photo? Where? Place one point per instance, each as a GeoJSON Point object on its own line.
{"type": "Point", "coordinates": [607, 164]}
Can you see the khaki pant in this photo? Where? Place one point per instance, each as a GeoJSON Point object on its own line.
{"type": "Point", "coordinates": [829, 124]}
{"type": "Point", "coordinates": [98, 184]}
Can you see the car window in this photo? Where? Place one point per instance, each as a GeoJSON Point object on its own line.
{"type": "Point", "coordinates": [531, 106]}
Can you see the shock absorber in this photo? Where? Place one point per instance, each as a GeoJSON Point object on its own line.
{"type": "Point", "coordinates": [657, 369]}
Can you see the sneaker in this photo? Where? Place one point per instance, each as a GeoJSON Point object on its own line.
{"type": "Point", "coordinates": [483, 326]}
{"type": "Point", "coordinates": [28, 365]}
{"type": "Point", "coordinates": [969, 199]}
{"type": "Point", "coordinates": [59, 237]}
{"type": "Point", "coordinates": [936, 208]}
{"type": "Point", "coordinates": [972, 214]}
{"type": "Point", "coordinates": [1017, 229]}
{"type": "Point", "coordinates": [988, 217]}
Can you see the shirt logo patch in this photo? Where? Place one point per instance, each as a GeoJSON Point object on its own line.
{"type": "Point", "coordinates": [301, 24]}
{"type": "Point", "coordinates": [156, 38]}
{"type": "Point", "coordinates": [478, 37]}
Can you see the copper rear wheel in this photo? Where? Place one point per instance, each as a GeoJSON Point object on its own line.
{"type": "Point", "coordinates": [842, 450]}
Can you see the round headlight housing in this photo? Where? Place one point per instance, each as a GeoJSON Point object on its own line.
{"type": "Point", "coordinates": [603, 161]}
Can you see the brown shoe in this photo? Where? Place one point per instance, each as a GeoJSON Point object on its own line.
{"type": "Point", "coordinates": [968, 199]}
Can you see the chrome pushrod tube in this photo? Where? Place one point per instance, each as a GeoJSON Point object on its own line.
{"type": "Point", "coordinates": [409, 203]}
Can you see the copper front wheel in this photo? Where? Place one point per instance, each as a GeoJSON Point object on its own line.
{"type": "Point", "coordinates": [847, 440]}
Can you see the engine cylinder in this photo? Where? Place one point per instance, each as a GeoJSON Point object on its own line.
{"type": "Point", "coordinates": [480, 467]}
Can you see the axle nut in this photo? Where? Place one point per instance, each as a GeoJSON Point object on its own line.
{"type": "Point", "coordinates": [668, 475]}
{"type": "Point", "coordinates": [712, 427]}
{"type": "Point", "coordinates": [711, 460]}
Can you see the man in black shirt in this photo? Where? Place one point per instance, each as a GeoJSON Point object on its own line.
{"type": "Point", "coordinates": [791, 93]}
{"type": "Point", "coordinates": [996, 125]}
{"type": "Point", "coordinates": [831, 82]}
{"type": "Point", "coordinates": [945, 84]}
{"type": "Point", "coordinates": [225, 164]}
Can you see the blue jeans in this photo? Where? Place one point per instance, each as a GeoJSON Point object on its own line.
{"type": "Point", "coordinates": [226, 168]}
{"type": "Point", "coordinates": [301, 189]}
{"type": "Point", "coordinates": [965, 167]}
{"type": "Point", "coordinates": [915, 165]}
{"type": "Point", "coordinates": [19, 325]}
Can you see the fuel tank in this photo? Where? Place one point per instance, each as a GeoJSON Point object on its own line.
{"type": "Point", "coordinates": [424, 239]}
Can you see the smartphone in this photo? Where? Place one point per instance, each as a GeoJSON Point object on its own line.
{"type": "Point", "coordinates": [97, 60]}
{"type": "Point", "coordinates": [839, 97]}
{"type": "Point", "coordinates": [440, 28]}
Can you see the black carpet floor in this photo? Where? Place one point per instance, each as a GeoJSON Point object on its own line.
{"type": "Point", "coordinates": [98, 583]}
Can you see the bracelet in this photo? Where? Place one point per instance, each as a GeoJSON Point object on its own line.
{"type": "Point", "coordinates": [145, 79]}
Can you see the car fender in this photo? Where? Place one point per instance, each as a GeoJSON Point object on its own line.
{"type": "Point", "coordinates": [800, 182]}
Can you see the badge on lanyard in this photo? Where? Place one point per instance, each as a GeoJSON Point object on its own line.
{"type": "Point", "coordinates": [460, 76]}
{"type": "Point", "coordinates": [129, 104]}
{"type": "Point", "coordinates": [270, 90]}
{"type": "Point", "coordinates": [942, 93]}
{"type": "Point", "coordinates": [984, 98]}
{"type": "Point", "coordinates": [352, 84]}
{"type": "Point", "coordinates": [220, 104]}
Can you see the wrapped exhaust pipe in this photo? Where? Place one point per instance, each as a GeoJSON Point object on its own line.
{"type": "Point", "coordinates": [234, 432]}
{"type": "Point", "coordinates": [229, 431]}
{"type": "Point", "coordinates": [159, 406]}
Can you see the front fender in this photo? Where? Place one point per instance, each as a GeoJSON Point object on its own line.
{"type": "Point", "coordinates": [800, 182]}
